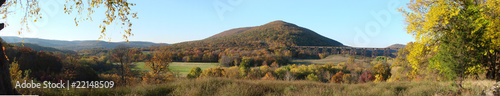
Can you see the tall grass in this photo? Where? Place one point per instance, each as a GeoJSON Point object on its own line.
{"type": "Point", "coordinates": [230, 87]}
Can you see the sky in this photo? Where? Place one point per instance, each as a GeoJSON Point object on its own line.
{"type": "Point", "coordinates": [357, 23]}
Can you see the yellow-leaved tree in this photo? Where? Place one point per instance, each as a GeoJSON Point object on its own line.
{"type": "Point", "coordinates": [454, 37]}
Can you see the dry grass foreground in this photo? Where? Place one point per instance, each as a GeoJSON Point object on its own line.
{"type": "Point", "coordinates": [229, 87]}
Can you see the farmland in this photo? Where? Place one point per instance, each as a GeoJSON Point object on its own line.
{"type": "Point", "coordinates": [178, 67]}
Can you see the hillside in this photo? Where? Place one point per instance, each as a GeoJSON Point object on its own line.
{"type": "Point", "coordinates": [231, 32]}
{"type": "Point", "coordinates": [77, 45]}
{"type": "Point", "coordinates": [276, 33]}
{"type": "Point", "coordinates": [42, 48]}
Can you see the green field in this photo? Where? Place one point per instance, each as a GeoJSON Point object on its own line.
{"type": "Point", "coordinates": [180, 67]}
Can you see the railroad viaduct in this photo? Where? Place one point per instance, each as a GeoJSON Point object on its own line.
{"type": "Point", "coordinates": [331, 50]}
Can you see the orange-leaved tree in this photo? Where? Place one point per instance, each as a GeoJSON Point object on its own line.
{"type": "Point", "coordinates": [158, 63]}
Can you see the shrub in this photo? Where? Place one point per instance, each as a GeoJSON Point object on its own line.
{"type": "Point", "coordinates": [322, 55]}
{"type": "Point", "coordinates": [254, 73]}
{"type": "Point", "coordinates": [379, 78]}
{"type": "Point", "coordinates": [366, 77]}
{"type": "Point", "coordinates": [213, 72]}
{"type": "Point", "coordinates": [156, 78]}
{"type": "Point", "coordinates": [312, 77]}
{"type": "Point", "coordinates": [347, 78]}
{"type": "Point", "coordinates": [232, 72]}
{"type": "Point", "coordinates": [269, 76]}
{"type": "Point", "coordinates": [382, 70]}
{"type": "Point", "coordinates": [302, 71]}
{"type": "Point", "coordinates": [280, 72]}
{"type": "Point", "coordinates": [265, 69]}
{"type": "Point", "coordinates": [117, 79]}
{"type": "Point", "coordinates": [76, 72]}
{"type": "Point", "coordinates": [194, 73]}
{"type": "Point", "coordinates": [275, 65]}
{"type": "Point", "coordinates": [15, 73]}
{"type": "Point", "coordinates": [337, 78]}
{"type": "Point", "coordinates": [330, 67]}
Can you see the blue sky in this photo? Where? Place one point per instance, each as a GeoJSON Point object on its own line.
{"type": "Point", "coordinates": [358, 23]}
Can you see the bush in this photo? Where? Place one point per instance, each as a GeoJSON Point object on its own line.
{"type": "Point", "coordinates": [337, 78]}
{"type": "Point", "coordinates": [131, 81]}
{"type": "Point", "coordinates": [269, 76]}
{"type": "Point", "coordinates": [232, 72]}
{"type": "Point", "coordinates": [194, 73]}
{"type": "Point", "coordinates": [378, 78]}
{"type": "Point", "coordinates": [213, 72]}
{"type": "Point", "coordinates": [254, 73]}
{"type": "Point", "coordinates": [382, 70]}
{"type": "Point", "coordinates": [156, 78]}
{"type": "Point", "coordinates": [322, 55]}
{"type": "Point", "coordinates": [347, 78]}
{"type": "Point", "coordinates": [85, 73]}
{"type": "Point", "coordinates": [302, 71]}
{"type": "Point", "coordinates": [312, 77]}
{"type": "Point", "coordinates": [275, 65]}
{"type": "Point", "coordinates": [280, 73]}
{"type": "Point", "coordinates": [366, 77]}
{"type": "Point", "coordinates": [76, 72]}
{"type": "Point", "coordinates": [265, 69]}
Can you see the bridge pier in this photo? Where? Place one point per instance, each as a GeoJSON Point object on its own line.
{"type": "Point", "coordinates": [315, 50]}
{"type": "Point", "coordinates": [345, 50]}
{"type": "Point", "coordinates": [386, 52]}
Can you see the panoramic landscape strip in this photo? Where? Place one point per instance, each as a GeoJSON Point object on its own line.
{"type": "Point", "coordinates": [250, 48]}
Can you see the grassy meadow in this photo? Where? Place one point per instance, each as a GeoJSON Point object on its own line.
{"type": "Point", "coordinates": [232, 87]}
{"type": "Point", "coordinates": [182, 68]}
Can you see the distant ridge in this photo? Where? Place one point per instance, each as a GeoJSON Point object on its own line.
{"type": "Point", "coordinates": [276, 33]}
{"type": "Point", "coordinates": [42, 48]}
{"type": "Point", "coordinates": [77, 45]}
{"type": "Point", "coordinates": [396, 46]}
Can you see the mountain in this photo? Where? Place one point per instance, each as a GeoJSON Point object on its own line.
{"type": "Point", "coordinates": [276, 33]}
{"type": "Point", "coordinates": [396, 46]}
{"type": "Point", "coordinates": [42, 48]}
{"type": "Point", "coordinates": [77, 45]}
{"type": "Point", "coordinates": [231, 32]}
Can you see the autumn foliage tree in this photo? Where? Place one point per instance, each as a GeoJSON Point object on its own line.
{"type": "Point", "coordinates": [158, 63]}
{"type": "Point", "coordinates": [459, 37]}
{"type": "Point", "coordinates": [338, 77]}
{"type": "Point", "coordinates": [125, 56]}
{"type": "Point", "coordinates": [456, 37]}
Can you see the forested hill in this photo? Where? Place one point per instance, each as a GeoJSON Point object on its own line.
{"type": "Point", "coordinates": [77, 45]}
{"type": "Point", "coordinates": [273, 34]}
{"type": "Point", "coordinates": [42, 48]}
